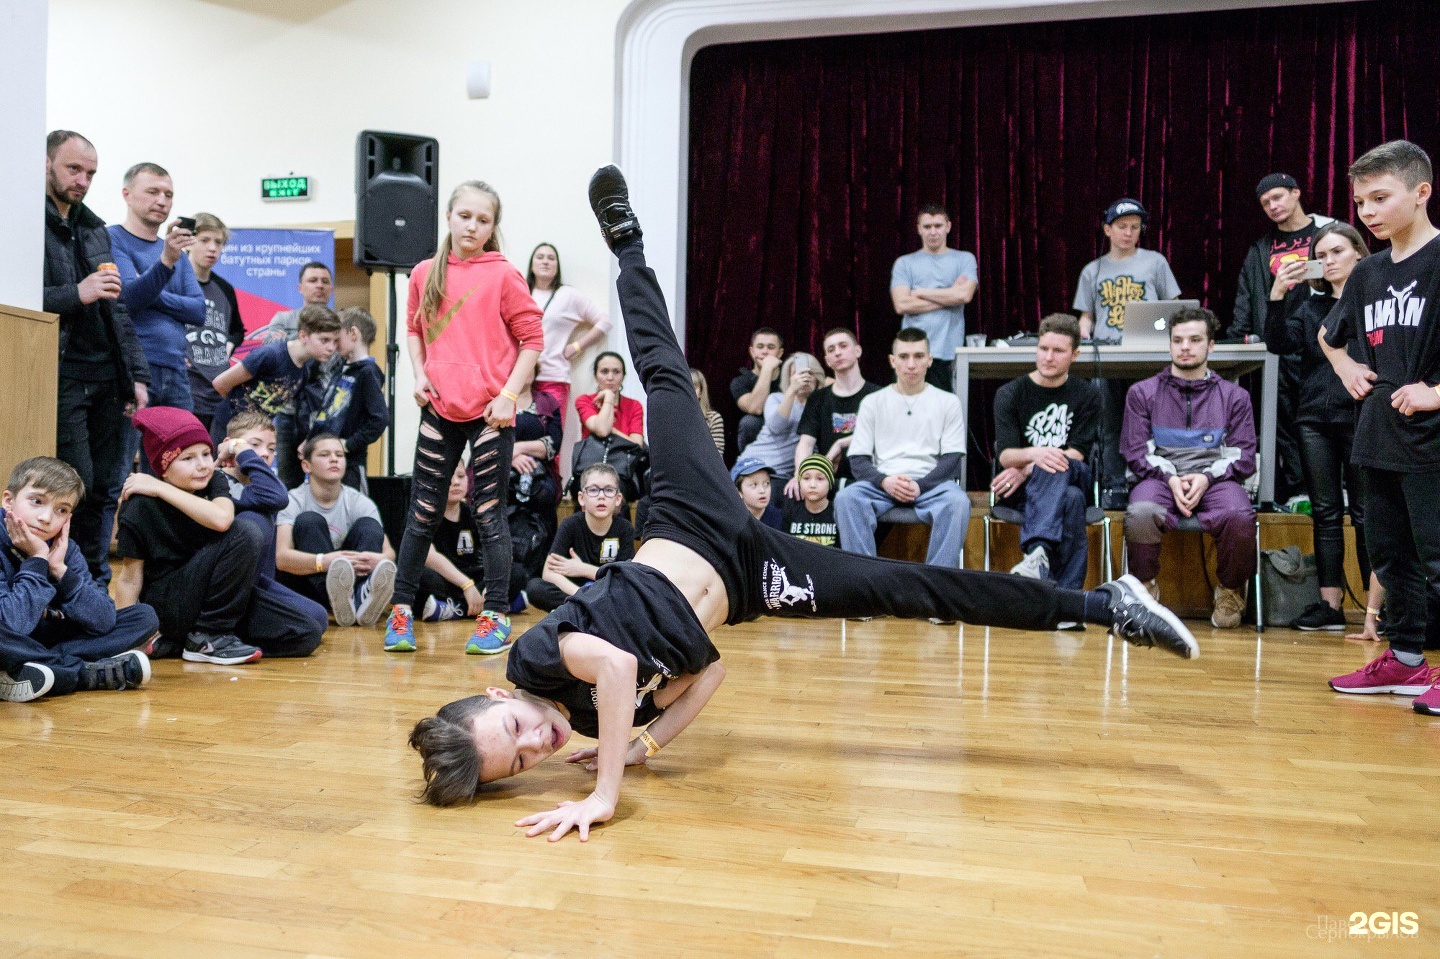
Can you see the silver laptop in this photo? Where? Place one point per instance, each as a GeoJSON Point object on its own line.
{"type": "Point", "coordinates": [1147, 322]}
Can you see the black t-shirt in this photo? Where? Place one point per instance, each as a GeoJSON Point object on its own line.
{"type": "Point", "coordinates": [1028, 414]}
{"type": "Point", "coordinates": [746, 381]}
{"type": "Point", "coordinates": [816, 527]}
{"type": "Point", "coordinates": [455, 540]}
{"type": "Point", "coordinates": [160, 534]}
{"type": "Point", "coordinates": [616, 545]}
{"type": "Point", "coordinates": [1394, 309]}
{"type": "Point", "coordinates": [632, 607]}
{"type": "Point", "coordinates": [828, 417]}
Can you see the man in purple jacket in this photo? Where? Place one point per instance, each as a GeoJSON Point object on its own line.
{"type": "Point", "coordinates": [1190, 437]}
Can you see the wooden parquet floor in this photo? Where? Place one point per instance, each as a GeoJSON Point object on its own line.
{"type": "Point", "coordinates": [892, 789]}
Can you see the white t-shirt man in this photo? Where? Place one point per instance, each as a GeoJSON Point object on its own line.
{"type": "Point", "coordinates": [905, 435]}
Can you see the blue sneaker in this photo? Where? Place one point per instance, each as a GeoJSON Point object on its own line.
{"type": "Point", "coordinates": [520, 603]}
{"type": "Point", "coordinates": [399, 631]}
{"type": "Point", "coordinates": [492, 634]}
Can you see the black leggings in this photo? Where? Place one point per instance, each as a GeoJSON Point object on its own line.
{"type": "Point", "coordinates": [1329, 475]}
{"type": "Point", "coordinates": [766, 572]}
{"type": "Point", "coordinates": [436, 454]}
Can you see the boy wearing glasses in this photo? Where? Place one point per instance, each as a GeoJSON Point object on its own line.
{"type": "Point", "coordinates": [585, 541]}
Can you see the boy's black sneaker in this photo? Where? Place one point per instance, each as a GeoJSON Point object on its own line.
{"type": "Point", "coordinates": [610, 199]}
{"type": "Point", "coordinates": [1318, 616]}
{"type": "Point", "coordinates": [29, 682]}
{"type": "Point", "coordinates": [129, 670]}
{"type": "Point", "coordinates": [225, 650]}
{"type": "Point", "coordinates": [1141, 621]}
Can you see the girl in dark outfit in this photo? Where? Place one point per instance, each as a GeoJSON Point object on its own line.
{"type": "Point", "coordinates": [634, 649]}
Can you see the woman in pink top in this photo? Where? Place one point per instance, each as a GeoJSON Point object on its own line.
{"type": "Point", "coordinates": [565, 308]}
{"type": "Point", "coordinates": [608, 411]}
{"type": "Point", "coordinates": [474, 336]}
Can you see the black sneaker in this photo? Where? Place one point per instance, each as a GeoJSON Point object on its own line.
{"type": "Point", "coordinates": [129, 670]}
{"type": "Point", "coordinates": [1318, 616]}
{"type": "Point", "coordinates": [610, 199]}
{"type": "Point", "coordinates": [226, 650]}
{"type": "Point", "coordinates": [30, 682]}
{"type": "Point", "coordinates": [1141, 621]}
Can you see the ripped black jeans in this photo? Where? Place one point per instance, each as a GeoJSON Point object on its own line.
{"type": "Point", "coordinates": [436, 454]}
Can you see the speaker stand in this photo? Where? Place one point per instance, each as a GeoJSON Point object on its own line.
{"type": "Point", "coordinates": [392, 358]}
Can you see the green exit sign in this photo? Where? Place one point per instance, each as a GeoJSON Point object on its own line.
{"type": "Point", "coordinates": [285, 188]}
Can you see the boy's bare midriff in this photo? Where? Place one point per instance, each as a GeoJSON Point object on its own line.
{"type": "Point", "coordinates": [692, 575]}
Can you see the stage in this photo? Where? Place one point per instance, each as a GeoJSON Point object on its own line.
{"type": "Point", "coordinates": [885, 788]}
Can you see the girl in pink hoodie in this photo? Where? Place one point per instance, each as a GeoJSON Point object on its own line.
{"type": "Point", "coordinates": [474, 334]}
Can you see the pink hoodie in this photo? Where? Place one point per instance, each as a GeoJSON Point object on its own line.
{"type": "Point", "coordinates": [486, 318]}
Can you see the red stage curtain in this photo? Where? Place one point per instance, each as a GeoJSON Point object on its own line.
{"type": "Point", "coordinates": [808, 158]}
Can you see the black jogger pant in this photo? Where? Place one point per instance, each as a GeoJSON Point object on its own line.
{"type": "Point", "coordinates": [767, 572]}
{"type": "Point", "coordinates": [1402, 532]}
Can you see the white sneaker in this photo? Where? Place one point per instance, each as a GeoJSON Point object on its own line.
{"type": "Point", "coordinates": [375, 594]}
{"type": "Point", "coordinates": [1035, 565]}
{"type": "Point", "coordinates": [340, 587]}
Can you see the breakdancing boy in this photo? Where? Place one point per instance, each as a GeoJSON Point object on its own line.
{"type": "Point", "coordinates": [634, 649]}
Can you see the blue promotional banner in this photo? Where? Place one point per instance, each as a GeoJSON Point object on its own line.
{"type": "Point", "coordinates": [264, 267]}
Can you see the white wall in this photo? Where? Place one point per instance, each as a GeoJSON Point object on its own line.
{"type": "Point", "coordinates": [224, 92]}
{"type": "Point", "coordinates": [22, 151]}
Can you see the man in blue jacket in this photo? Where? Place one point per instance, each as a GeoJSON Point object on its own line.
{"type": "Point", "coordinates": [1190, 437]}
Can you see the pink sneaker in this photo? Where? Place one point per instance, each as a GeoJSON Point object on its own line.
{"type": "Point", "coordinates": [1428, 702]}
{"type": "Point", "coordinates": [1385, 675]}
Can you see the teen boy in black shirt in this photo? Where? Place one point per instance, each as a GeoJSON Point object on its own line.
{"type": "Point", "coordinates": [1392, 303]}
{"type": "Point", "coordinates": [586, 541]}
{"type": "Point", "coordinates": [1045, 423]}
{"type": "Point", "coordinates": [634, 649]}
{"type": "Point", "coordinates": [828, 422]}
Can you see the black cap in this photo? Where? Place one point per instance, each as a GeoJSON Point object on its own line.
{"type": "Point", "coordinates": [1125, 206]}
{"type": "Point", "coordinates": [1275, 180]}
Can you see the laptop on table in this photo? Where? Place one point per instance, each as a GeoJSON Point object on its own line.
{"type": "Point", "coordinates": [1147, 322]}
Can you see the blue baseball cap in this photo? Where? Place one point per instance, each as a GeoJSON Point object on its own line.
{"type": "Point", "coordinates": [745, 466]}
{"type": "Point", "coordinates": [1125, 206]}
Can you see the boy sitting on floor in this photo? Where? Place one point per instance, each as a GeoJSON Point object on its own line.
{"type": "Point", "coordinates": [812, 516]}
{"type": "Point", "coordinates": [183, 553]}
{"type": "Point", "coordinates": [586, 540]}
{"type": "Point", "coordinates": [752, 478]}
{"type": "Point", "coordinates": [447, 583]}
{"type": "Point", "coordinates": [247, 458]}
{"type": "Point", "coordinates": [330, 544]}
{"type": "Point", "coordinates": [59, 631]}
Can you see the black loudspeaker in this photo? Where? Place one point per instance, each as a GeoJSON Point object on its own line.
{"type": "Point", "coordinates": [397, 205]}
{"type": "Point", "coordinates": [391, 496]}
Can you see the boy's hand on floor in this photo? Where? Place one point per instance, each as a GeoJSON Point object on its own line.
{"type": "Point", "coordinates": [569, 815]}
{"type": "Point", "coordinates": [474, 600]}
{"type": "Point", "coordinates": [25, 541]}
{"type": "Point", "coordinates": [141, 484]}
{"type": "Point", "coordinates": [59, 546]}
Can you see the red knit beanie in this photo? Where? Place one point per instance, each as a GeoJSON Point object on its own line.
{"type": "Point", "coordinates": [165, 431]}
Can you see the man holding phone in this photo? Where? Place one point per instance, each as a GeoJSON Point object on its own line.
{"type": "Point", "coordinates": [1288, 240]}
{"type": "Point", "coordinates": [102, 367]}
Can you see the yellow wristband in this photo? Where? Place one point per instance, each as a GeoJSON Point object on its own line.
{"type": "Point", "coordinates": [512, 397]}
{"type": "Point", "coordinates": [651, 746]}
{"type": "Point", "coordinates": [319, 562]}
{"type": "Point", "coordinates": [466, 585]}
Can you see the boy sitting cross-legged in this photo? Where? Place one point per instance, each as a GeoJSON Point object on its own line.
{"type": "Point", "coordinates": [330, 545]}
{"type": "Point", "coordinates": [586, 540]}
{"type": "Point", "coordinates": [247, 458]}
{"type": "Point", "coordinates": [59, 631]}
{"type": "Point", "coordinates": [183, 553]}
